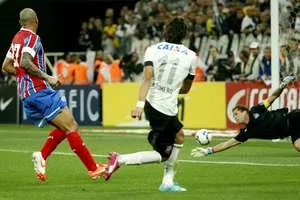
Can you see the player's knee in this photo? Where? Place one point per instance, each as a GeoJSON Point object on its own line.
{"type": "Point", "coordinates": [164, 156]}
{"type": "Point", "coordinates": [163, 159]}
{"type": "Point", "coordinates": [297, 145]}
{"type": "Point", "coordinates": [72, 126]}
{"type": "Point", "coordinates": [164, 151]}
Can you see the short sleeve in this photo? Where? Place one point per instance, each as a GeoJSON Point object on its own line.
{"type": "Point", "coordinates": [9, 53]}
{"type": "Point", "coordinates": [31, 44]}
{"type": "Point", "coordinates": [259, 108]}
{"type": "Point", "coordinates": [243, 136]}
{"type": "Point", "coordinates": [194, 64]}
{"type": "Point", "coordinates": [148, 55]}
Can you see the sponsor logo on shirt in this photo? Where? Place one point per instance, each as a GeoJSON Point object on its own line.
{"type": "Point", "coordinates": [172, 47]}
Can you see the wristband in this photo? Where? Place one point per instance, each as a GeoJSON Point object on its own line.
{"type": "Point", "coordinates": [210, 150]}
{"type": "Point", "coordinates": [282, 85]}
{"type": "Point", "coordinates": [140, 104]}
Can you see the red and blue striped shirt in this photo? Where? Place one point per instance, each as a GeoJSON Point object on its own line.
{"type": "Point", "coordinates": [27, 41]}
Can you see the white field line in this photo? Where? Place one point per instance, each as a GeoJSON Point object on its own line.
{"type": "Point", "coordinates": [240, 163]}
{"type": "Point", "coordinates": [187, 132]}
{"type": "Point", "coordinates": [216, 134]}
{"type": "Point", "coordinates": [182, 161]}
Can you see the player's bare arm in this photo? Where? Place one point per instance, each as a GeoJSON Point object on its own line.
{"type": "Point", "coordinates": [148, 76]}
{"type": "Point", "coordinates": [29, 67]}
{"type": "Point", "coordinates": [187, 84]}
{"type": "Point", "coordinates": [225, 145]}
{"type": "Point", "coordinates": [268, 102]}
{"type": "Point", "coordinates": [8, 66]}
{"type": "Point", "coordinates": [198, 152]}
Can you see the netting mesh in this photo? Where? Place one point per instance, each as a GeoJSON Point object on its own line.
{"type": "Point", "coordinates": [289, 37]}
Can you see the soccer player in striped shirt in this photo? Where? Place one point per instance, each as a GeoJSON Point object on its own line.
{"type": "Point", "coordinates": [42, 104]}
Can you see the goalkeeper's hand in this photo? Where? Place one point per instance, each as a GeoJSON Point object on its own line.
{"type": "Point", "coordinates": [286, 81]}
{"type": "Point", "coordinates": [199, 152]}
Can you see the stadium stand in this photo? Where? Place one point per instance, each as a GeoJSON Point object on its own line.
{"type": "Point", "coordinates": [232, 39]}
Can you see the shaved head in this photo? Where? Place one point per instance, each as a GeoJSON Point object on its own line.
{"type": "Point", "coordinates": [27, 15]}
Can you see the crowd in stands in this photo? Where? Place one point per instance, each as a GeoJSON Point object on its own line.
{"type": "Point", "coordinates": [232, 39]}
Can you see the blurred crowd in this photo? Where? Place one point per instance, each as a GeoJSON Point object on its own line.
{"type": "Point", "coordinates": [232, 39]}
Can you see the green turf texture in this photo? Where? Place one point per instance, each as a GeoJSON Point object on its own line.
{"type": "Point", "coordinates": [67, 177]}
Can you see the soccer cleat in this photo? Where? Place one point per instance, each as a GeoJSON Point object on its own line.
{"type": "Point", "coordinates": [112, 165]}
{"type": "Point", "coordinates": [39, 166]}
{"type": "Point", "coordinates": [101, 168]}
{"type": "Point", "coordinates": [171, 188]}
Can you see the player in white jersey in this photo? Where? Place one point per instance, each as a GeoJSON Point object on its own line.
{"type": "Point", "coordinates": [169, 70]}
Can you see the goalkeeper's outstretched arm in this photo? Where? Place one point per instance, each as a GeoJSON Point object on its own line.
{"type": "Point", "coordinates": [225, 145]}
{"type": "Point", "coordinates": [198, 152]}
{"type": "Point", "coordinates": [287, 80]}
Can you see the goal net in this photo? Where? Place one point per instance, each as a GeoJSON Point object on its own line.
{"type": "Point", "coordinates": [289, 37]}
{"type": "Point", "coordinates": [285, 37]}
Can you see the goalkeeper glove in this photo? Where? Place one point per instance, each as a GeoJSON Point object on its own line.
{"type": "Point", "coordinates": [199, 152]}
{"type": "Point", "coordinates": [286, 81]}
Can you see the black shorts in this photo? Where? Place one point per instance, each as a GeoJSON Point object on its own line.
{"type": "Point", "coordinates": [294, 124]}
{"type": "Point", "coordinates": [163, 130]}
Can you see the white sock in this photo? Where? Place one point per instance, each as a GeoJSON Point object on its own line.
{"type": "Point", "coordinates": [169, 165]}
{"type": "Point", "coordinates": [138, 158]}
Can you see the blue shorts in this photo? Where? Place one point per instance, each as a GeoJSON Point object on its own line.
{"type": "Point", "coordinates": [43, 106]}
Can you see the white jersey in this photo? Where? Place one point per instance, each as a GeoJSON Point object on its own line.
{"type": "Point", "coordinates": [172, 63]}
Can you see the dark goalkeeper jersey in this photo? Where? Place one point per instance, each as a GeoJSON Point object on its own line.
{"type": "Point", "coordinates": [264, 124]}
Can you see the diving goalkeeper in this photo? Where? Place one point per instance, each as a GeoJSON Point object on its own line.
{"type": "Point", "coordinates": [260, 123]}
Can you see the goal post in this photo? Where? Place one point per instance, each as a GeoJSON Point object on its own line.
{"type": "Point", "coordinates": [275, 46]}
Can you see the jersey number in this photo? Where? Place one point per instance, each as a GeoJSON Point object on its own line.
{"type": "Point", "coordinates": [15, 48]}
{"type": "Point", "coordinates": [163, 61]}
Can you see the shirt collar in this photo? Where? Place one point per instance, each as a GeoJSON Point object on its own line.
{"type": "Point", "coordinates": [26, 29]}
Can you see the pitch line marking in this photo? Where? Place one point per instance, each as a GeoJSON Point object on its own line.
{"type": "Point", "coordinates": [182, 161]}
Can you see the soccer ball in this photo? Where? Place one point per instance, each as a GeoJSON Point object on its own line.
{"type": "Point", "coordinates": [202, 137]}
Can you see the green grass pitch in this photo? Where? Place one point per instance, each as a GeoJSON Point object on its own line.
{"type": "Point", "coordinates": [256, 170]}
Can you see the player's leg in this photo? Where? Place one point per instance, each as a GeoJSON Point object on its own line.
{"type": "Point", "coordinates": [47, 106]}
{"type": "Point", "coordinates": [168, 184]}
{"type": "Point", "coordinates": [170, 163]}
{"type": "Point", "coordinates": [55, 137]}
{"type": "Point", "coordinates": [66, 122]}
{"type": "Point", "coordinates": [116, 160]}
{"type": "Point", "coordinates": [34, 111]}
{"type": "Point", "coordinates": [156, 120]}
{"type": "Point", "coordinates": [294, 128]}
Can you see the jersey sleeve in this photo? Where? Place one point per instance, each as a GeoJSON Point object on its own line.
{"type": "Point", "coordinates": [259, 108]}
{"type": "Point", "coordinates": [148, 58]}
{"type": "Point", "coordinates": [194, 64]}
{"type": "Point", "coordinates": [31, 44]}
{"type": "Point", "coordinates": [9, 53]}
{"type": "Point", "coordinates": [243, 136]}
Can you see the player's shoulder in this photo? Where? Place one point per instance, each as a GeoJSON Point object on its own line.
{"type": "Point", "coordinates": [153, 49]}
{"type": "Point", "coordinates": [190, 52]}
{"type": "Point", "coordinates": [27, 32]}
{"type": "Point", "coordinates": [258, 107]}
{"type": "Point", "coordinates": [154, 46]}
{"type": "Point", "coordinates": [22, 34]}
